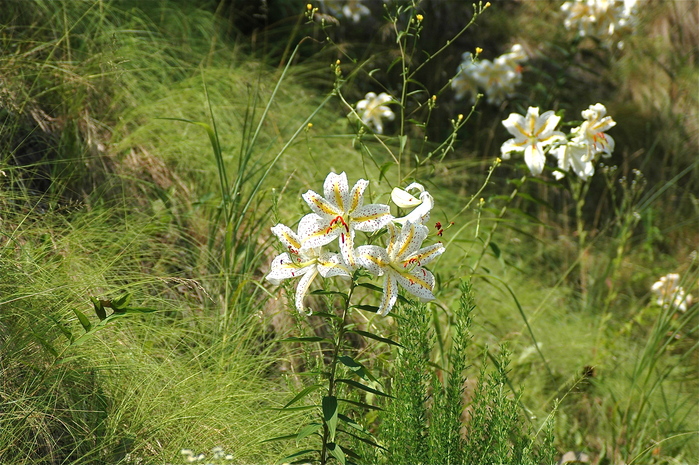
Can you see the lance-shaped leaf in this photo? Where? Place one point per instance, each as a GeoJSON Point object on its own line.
{"type": "Point", "coordinates": [336, 451]}
{"type": "Point", "coordinates": [364, 387]}
{"type": "Point", "coordinates": [303, 394]}
{"type": "Point", "coordinates": [308, 430]}
{"type": "Point", "coordinates": [357, 367]}
{"type": "Point", "coordinates": [330, 414]}
{"type": "Point", "coordinates": [374, 337]}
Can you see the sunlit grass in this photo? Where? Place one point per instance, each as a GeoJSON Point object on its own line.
{"type": "Point", "coordinates": [103, 194]}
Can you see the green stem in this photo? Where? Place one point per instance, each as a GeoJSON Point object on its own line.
{"type": "Point", "coordinates": [333, 368]}
{"type": "Point", "coordinates": [502, 212]}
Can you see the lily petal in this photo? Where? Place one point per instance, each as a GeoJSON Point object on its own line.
{"type": "Point", "coordinates": [302, 289]}
{"type": "Point", "coordinates": [419, 283]}
{"type": "Point", "coordinates": [390, 294]}
{"type": "Point", "coordinates": [336, 190]}
{"type": "Point", "coordinates": [373, 258]}
{"type": "Point", "coordinates": [371, 217]}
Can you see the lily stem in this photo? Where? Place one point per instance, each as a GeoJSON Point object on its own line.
{"type": "Point", "coordinates": [333, 368]}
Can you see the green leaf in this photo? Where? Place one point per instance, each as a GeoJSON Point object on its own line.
{"type": "Point", "coordinates": [368, 308]}
{"type": "Point", "coordinates": [330, 414]}
{"type": "Point", "coordinates": [122, 302]}
{"type": "Point", "coordinates": [374, 337]}
{"type": "Point", "coordinates": [298, 454]}
{"type": "Point", "coordinates": [353, 383]}
{"type": "Point", "coordinates": [365, 440]}
{"type": "Point", "coordinates": [327, 315]}
{"type": "Point", "coordinates": [382, 172]}
{"type": "Point", "coordinates": [360, 404]}
{"type": "Point", "coordinates": [324, 292]}
{"type": "Point", "coordinates": [403, 141]}
{"type": "Point", "coordinates": [279, 438]}
{"type": "Point", "coordinates": [65, 330]}
{"type": "Point", "coordinates": [496, 249]}
{"type": "Point", "coordinates": [336, 451]}
{"type": "Point", "coordinates": [308, 430]}
{"type": "Point", "coordinates": [357, 367]}
{"type": "Point", "coordinates": [303, 394]}
{"type": "Point", "coordinates": [99, 309]}
{"type": "Point", "coordinates": [293, 409]}
{"type": "Point", "coordinates": [83, 320]}
{"type": "Point", "coordinates": [373, 287]}
{"type": "Point", "coordinates": [353, 424]}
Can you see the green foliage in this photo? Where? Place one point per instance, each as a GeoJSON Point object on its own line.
{"type": "Point", "coordinates": [424, 420]}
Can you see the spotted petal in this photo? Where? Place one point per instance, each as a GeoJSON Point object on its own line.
{"type": "Point", "coordinates": [315, 232]}
{"type": "Point", "coordinates": [287, 237]}
{"type": "Point", "coordinates": [284, 267]}
{"type": "Point", "coordinates": [302, 288]}
{"type": "Point", "coordinates": [419, 282]}
{"type": "Point", "coordinates": [390, 294]}
{"type": "Point", "coordinates": [336, 190]}
{"type": "Point", "coordinates": [322, 206]}
{"type": "Point", "coordinates": [373, 258]}
{"type": "Point", "coordinates": [371, 217]}
{"type": "Point", "coordinates": [408, 242]}
{"type": "Point", "coordinates": [331, 264]}
{"type": "Point", "coordinates": [428, 254]}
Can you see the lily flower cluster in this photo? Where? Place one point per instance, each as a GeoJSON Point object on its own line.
{"type": "Point", "coordinates": [355, 10]}
{"type": "Point", "coordinates": [497, 79]}
{"type": "Point", "coordinates": [335, 218]}
{"type": "Point", "coordinates": [534, 133]}
{"type": "Point", "coordinates": [669, 294]}
{"type": "Point", "coordinates": [372, 110]}
{"type": "Point", "coordinates": [605, 19]}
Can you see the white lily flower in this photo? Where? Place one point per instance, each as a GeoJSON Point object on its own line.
{"type": "Point", "coordinates": [304, 263]}
{"type": "Point", "coordinates": [422, 206]}
{"type": "Point", "coordinates": [372, 110]}
{"type": "Point", "coordinates": [591, 132]}
{"type": "Point", "coordinates": [465, 82]}
{"type": "Point", "coordinates": [669, 294]}
{"type": "Point", "coordinates": [355, 10]}
{"type": "Point", "coordinates": [573, 155]}
{"type": "Point", "coordinates": [533, 133]}
{"type": "Point", "coordinates": [401, 263]}
{"type": "Point", "coordinates": [339, 214]}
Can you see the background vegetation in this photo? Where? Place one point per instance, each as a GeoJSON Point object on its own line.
{"type": "Point", "coordinates": [104, 192]}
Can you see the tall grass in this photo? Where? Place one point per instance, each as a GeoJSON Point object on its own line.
{"type": "Point", "coordinates": [101, 194]}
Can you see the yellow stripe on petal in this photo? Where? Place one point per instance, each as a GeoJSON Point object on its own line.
{"type": "Point", "coordinates": [407, 239]}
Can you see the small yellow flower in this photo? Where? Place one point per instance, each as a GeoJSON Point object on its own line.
{"type": "Point", "coordinates": [337, 63]}
{"type": "Point", "coordinates": [460, 117]}
{"type": "Point", "coordinates": [309, 125]}
{"type": "Point", "coordinates": [419, 18]}
{"type": "Point", "coordinates": [487, 5]}
{"type": "Point", "coordinates": [479, 50]}
{"type": "Point", "coordinates": [309, 7]}
{"type": "Point", "coordinates": [434, 98]}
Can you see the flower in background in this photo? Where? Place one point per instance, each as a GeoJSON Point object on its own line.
{"type": "Point", "coordinates": [339, 214]}
{"type": "Point", "coordinates": [372, 110]}
{"type": "Point", "coordinates": [422, 206]}
{"type": "Point", "coordinates": [401, 263]}
{"type": "Point", "coordinates": [465, 82]}
{"type": "Point", "coordinates": [606, 19]}
{"type": "Point", "coordinates": [669, 294]}
{"type": "Point", "coordinates": [305, 263]}
{"type": "Point", "coordinates": [591, 132]}
{"type": "Point", "coordinates": [354, 9]}
{"type": "Point", "coordinates": [532, 134]}
{"type": "Point", "coordinates": [497, 78]}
